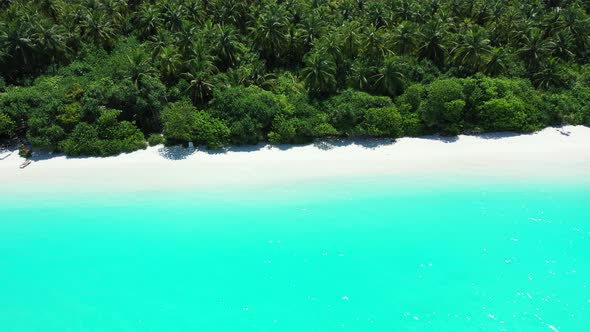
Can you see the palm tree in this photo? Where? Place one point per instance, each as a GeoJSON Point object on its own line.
{"type": "Point", "coordinates": [51, 8]}
{"type": "Point", "coordinates": [360, 4]}
{"type": "Point", "coordinates": [52, 41]}
{"type": "Point", "coordinates": [347, 10]}
{"type": "Point", "coordinates": [319, 74]}
{"type": "Point", "coordinates": [389, 78]}
{"type": "Point", "coordinates": [231, 12]}
{"type": "Point", "coordinates": [373, 44]}
{"type": "Point", "coordinates": [533, 47]}
{"type": "Point", "coordinates": [376, 14]}
{"type": "Point", "coordinates": [172, 16]}
{"type": "Point", "coordinates": [270, 32]}
{"type": "Point", "coordinates": [195, 10]}
{"type": "Point", "coordinates": [432, 39]}
{"type": "Point", "coordinates": [99, 29]}
{"type": "Point", "coordinates": [200, 60]}
{"type": "Point", "coordinates": [465, 9]}
{"type": "Point", "coordinates": [549, 75]}
{"type": "Point", "coordinates": [405, 38]}
{"type": "Point", "coordinates": [3, 42]}
{"type": "Point", "coordinates": [169, 63]}
{"type": "Point", "coordinates": [575, 20]}
{"type": "Point", "coordinates": [200, 68]}
{"type": "Point", "coordinates": [431, 7]}
{"type": "Point", "coordinates": [484, 11]}
{"type": "Point", "coordinates": [139, 67]}
{"type": "Point", "coordinates": [405, 10]}
{"type": "Point", "coordinates": [200, 87]}
{"type": "Point", "coordinates": [18, 42]}
{"type": "Point", "coordinates": [5, 3]}
{"type": "Point", "coordinates": [562, 44]}
{"type": "Point", "coordinates": [348, 34]}
{"type": "Point", "coordinates": [506, 27]}
{"type": "Point", "coordinates": [73, 19]}
{"type": "Point", "coordinates": [116, 10]}
{"type": "Point", "coordinates": [311, 27]}
{"type": "Point", "coordinates": [184, 39]}
{"type": "Point", "coordinates": [362, 74]}
{"type": "Point", "coordinates": [331, 47]}
{"type": "Point", "coordinates": [552, 22]}
{"type": "Point", "coordinates": [157, 43]}
{"type": "Point", "coordinates": [227, 46]}
{"type": "Point", "coordinates": [148, 20]}
{"type": "Point", "coordinates": [296, 45]}
{"type": "Point", "coordinates": [252, 71]}
{"type": "Point", "coordinates": [473, 49]}
{"type": "Point", "coordinates": [498, 63]}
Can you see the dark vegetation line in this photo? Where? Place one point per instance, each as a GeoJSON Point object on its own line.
{"type": "Point", "coordinates": [100, 77]}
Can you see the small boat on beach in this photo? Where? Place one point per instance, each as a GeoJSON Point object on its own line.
{"type": "Point", "coordinates": [4, 156]}
{"type": "Point", "coordinates": [25, 164]}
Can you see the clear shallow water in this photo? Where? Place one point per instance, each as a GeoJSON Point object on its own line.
{"type": "Point", "coordinates": [372, 255]}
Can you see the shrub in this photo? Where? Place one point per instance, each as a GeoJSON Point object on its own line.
{"type": "Point", "coordinates": [411, 99]}
{"type": "Point", "coordinates": [412, 124]}
{"type": "Point", "coordinates": [248, 112]}
{"type": "Point", "coordinates": [107, 137]}
{"type": "Point", "coordinates": [82, 141]}
{"type": "Point", "coordinates": [156, 139]}
{"type": "Point", "coordinates": [20, 103]}
{"type": "Point", "coordinates": [44, 135]}
{"type": "Point", "coordinates": [24, 151]}
{"type": "Point", "coordinates": [444, 106]}
{"type": "Point", "coordinates": [381, 122]}
{"type": "Point", "coordinates": [298, 131]}
{"type": "Point", "coordinates": [246, 131]}
{"type": "Point", "coordinates": [7, 126]}
{"type": "Point", "coordinates": [69, 115]}
{"type": "Point", "coordinates": [209, 131]}
{"type": "Point", "coordinates": [572, 106]}
{"type": "Point", "coordinates": [301, 123]}
{"type": "Point", "coordinates": [124, 137]}
{"type": "Point", "coordinates": [142, 101]}
{"type": "Point", "coordinates": [347, 110]}
{"type": "Point", "coordinates": [176, 123]}
{"type": "Point", "coordinates": [481, 89]}
{"type": "Point", "coordinates": [288, 84]}
{"type": "Point", "coordinates": [504, 114]}
{"type": "Point", "coordinates": [183, 123]}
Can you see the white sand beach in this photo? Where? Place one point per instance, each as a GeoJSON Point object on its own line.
{"type": "Point", "coordinates": [562, 152]}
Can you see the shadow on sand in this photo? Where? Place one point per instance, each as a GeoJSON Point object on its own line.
{"type": "Point", "coordinates": [501, 135]}
{"type": "Point", "coordinates": [45, 155]}
{"type": "Point", "coordinates": [367, 143]}
{"type": "Point", "coordinates": [179, 152]}
{"type": "Point", "coordinates": [444, 139]}
{"type": "Point", "coordinates": [176, 152]}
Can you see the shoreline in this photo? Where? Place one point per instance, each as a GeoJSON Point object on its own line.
{"type": "Point", "coordinates": [562, 152]}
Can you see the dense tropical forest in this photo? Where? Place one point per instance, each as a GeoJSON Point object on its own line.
{"type": "Point", "coordinates": [100, 77]}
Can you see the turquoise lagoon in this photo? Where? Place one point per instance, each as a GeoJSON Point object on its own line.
{"type": "Point", "coordinates": [379, 254]}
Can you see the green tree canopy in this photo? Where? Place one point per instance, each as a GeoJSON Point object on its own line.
{"type": "Point", "coordinates": [183, 123]}
{"type": "Point", "coordinates": [444, 106]}
{"type": "Point", "coordinates": [7, 126]}
{"type": "Point", "coordinates": [286, 71]}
